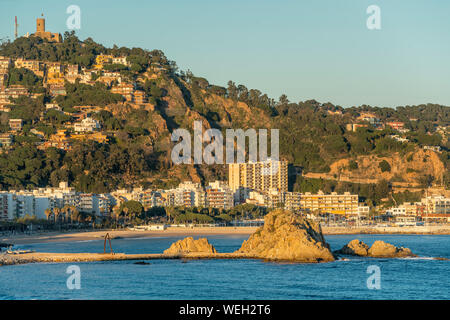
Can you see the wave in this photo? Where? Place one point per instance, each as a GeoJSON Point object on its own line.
{"type": "Point", "coordinates": [418, 258]}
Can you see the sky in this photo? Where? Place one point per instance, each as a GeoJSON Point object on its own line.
{"type": "Point", "coordinates": [306, 49]}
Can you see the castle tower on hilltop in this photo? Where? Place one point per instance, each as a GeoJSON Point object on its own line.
{"type": "Point", "coordinates": [41, 33]}
{"type": "Point", "coordinates": [40, 25]}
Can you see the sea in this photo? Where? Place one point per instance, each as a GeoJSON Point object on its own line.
{"type": "Point", "coordinates": [350, 278]}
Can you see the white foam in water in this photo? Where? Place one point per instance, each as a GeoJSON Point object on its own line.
{"type": "Point", "coordinates": [418, 258]}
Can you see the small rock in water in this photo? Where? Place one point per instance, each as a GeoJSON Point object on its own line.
{"type": "Point", "coordinates": [142, 263]}
{"type": "Point", "coordinates": [189, 245]}
{"type": "Point", "coordinates": [379, 249]}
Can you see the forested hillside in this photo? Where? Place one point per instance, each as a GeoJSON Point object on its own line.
{"type": "Point", "coordinates": [313, 135]}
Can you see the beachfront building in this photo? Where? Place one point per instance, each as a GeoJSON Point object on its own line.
{"type": "Point", "coordinates": [219, 195]}
{"type": "Point", "coordinates": [363, 211]}
{"type": "Point", "coordinates": [189, 194]}
{"type": "Point", "coordinates": [292, 201]}
{"type": "Point", "coordinates": [17, 204]}
{"type": "Point", "coordinates": [256, 198]}
{"type": "Point", "coordinates": [402, 215]}
{"type": "Point", "coordinates": [263, 176]}
{"type": "Point", "coordinates": [342, 204]}
{"type": "Point", "coordinates": [436, 204]}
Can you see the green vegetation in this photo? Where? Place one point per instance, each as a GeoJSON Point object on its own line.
{"type": "Point", "coordinates": [139, 149]}
{"type": "Point", "coordinates": [384, 166]}
{"type": "Point", "coordinates": [80, 94]}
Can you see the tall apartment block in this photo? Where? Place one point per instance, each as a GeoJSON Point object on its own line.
{"type": "Point", "coordinates": [260, 176]}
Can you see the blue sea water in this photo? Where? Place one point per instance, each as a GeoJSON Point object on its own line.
{"type": "Point", "coordinates": [414, 278]}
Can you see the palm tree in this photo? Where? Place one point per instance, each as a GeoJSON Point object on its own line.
{"type": "Point", "coordinates": [57, 212]}
{"type": "Point", "coordinates": [66, 210]}
{"type": "Point", "coordinates": [125, 210]}
{"type": "Point", "coordinates": [48, 213]}
{"type": "Point", "coordinates": [115, 214]}
{"type": "Point", "coordinates": [74, 214]}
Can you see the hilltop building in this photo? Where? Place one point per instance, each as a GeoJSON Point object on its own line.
{"type": "Point", "coordinates": [16, 124]}
{"type": "Point", "coordinates": [41, 33]}
{"type": "Point", "coordinates": [87, 125]}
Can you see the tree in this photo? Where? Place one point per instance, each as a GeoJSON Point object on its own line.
{"type": "Point", "coordinates": [353, 165]}
{"type": "Point", "coordinates": [75, 214]}
{"type": "Point", "coordinates": [132, 209]}
{"type": "Point", "coordinates": [384, 166]}
{"type": "Point", "coordinates": [48, 213]}
{"type": "Point", "coordinates": [116, 214]}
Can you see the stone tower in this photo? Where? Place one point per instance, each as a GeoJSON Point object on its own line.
{"type": "Point", "coordinates": [40, 25]}
{"type": "Point", "coordinates": [40, 32]}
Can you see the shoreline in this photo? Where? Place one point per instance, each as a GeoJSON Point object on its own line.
{"type": "Point", "coordinates": [74, 236]}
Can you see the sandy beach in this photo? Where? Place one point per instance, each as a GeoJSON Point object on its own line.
{"type": "Point", "coordinates": [72, 236]}
{"type": "Point", "coordinates": [116, 234]}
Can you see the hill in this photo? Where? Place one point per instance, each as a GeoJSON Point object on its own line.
{"type": "Point", "coordinates": [314, 136]}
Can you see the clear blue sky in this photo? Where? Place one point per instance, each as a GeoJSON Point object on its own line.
{"type": "Point", "coordinates": [307, 49]}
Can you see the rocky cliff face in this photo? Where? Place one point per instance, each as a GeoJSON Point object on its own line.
{"type": "Point", "coordinates": [420, 163]}
{"type": "Point", "coordinates": [189, 245]}
{"type": "Point", "coordinates": [379, 249]}
{"type": "Point", "coordinates": [287, 237]}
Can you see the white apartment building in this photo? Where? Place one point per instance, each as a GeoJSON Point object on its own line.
{"type": "Point", "coordinates": [292, 201]}
{"type": "Point", "coordinates": [396, 211]}
{"type": "Point", "coordinates": [219, 195]}
{"type": "Point", "coordinates": [363, 210]}
{"type": "Point", "coordinates": [262, 176]}
{"type": "Point", "coordinates": [343, 204]}
{"type": "Point", "coordinates": [189, 194]}
{"type": "Point", "coordinates": [120, 60]}
{"type": "Point", "coordinates": [87, 125]}
{"type": "Point", "coordinates": [436, 204]}
{"type": "Point", "coordinates": [17, 204]}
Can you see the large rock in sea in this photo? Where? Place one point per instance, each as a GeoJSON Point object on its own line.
{"type": "Point", "coordinates": [189, 245]}
{"type": "Point", "coordinates": [355, 248]}
{"type": "Point", "coordinates": [379, 249]}
{"type": "Point", "coordinates": [287, 237]}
